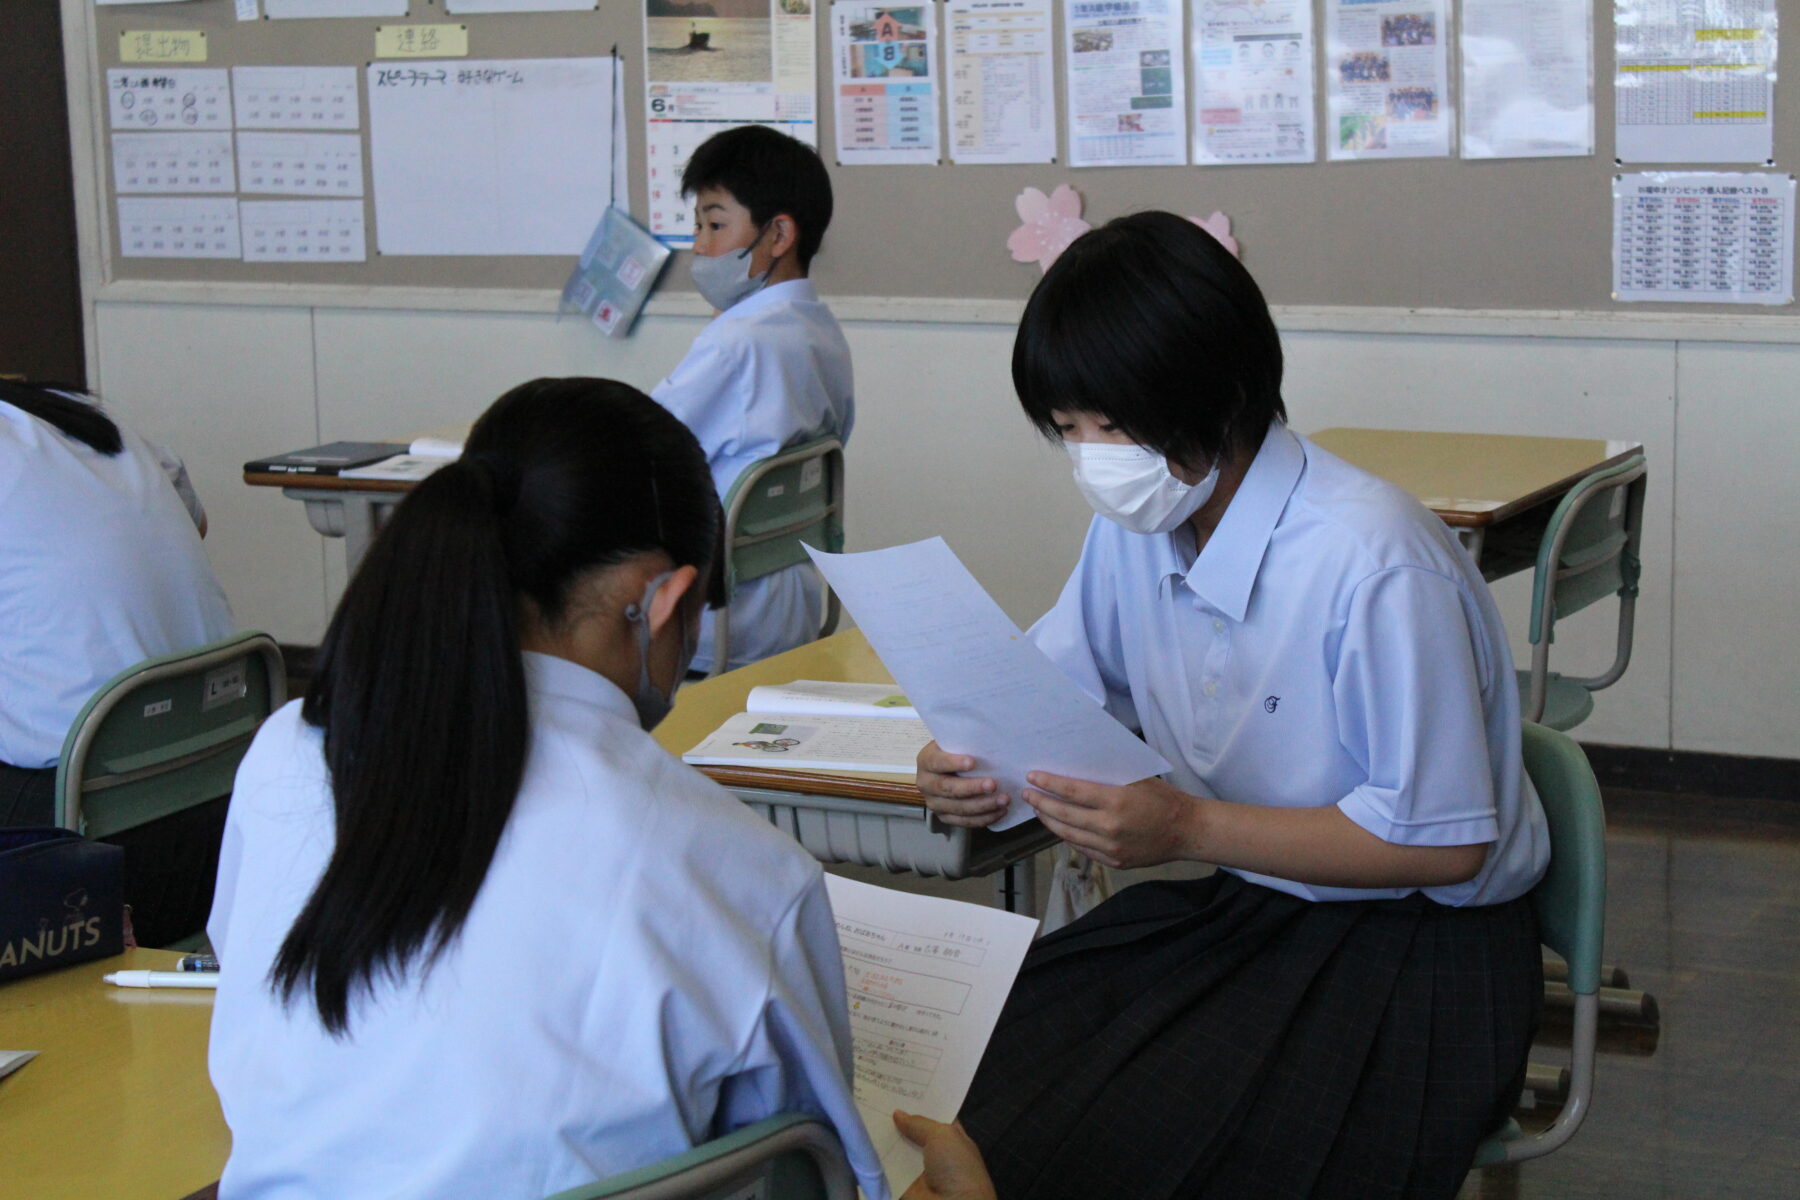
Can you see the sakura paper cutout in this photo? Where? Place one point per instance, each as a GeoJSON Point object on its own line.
{"type": "Point", "coordinates": [1219, 225]}
{"type": "Point", "coordinates": [1051, 223]}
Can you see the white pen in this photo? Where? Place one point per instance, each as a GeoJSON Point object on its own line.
{"type": "Point", "coordinates": [161, 979]}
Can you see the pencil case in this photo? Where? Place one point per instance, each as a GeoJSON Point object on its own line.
{"type": "Point", "coordinates": [62, 900]}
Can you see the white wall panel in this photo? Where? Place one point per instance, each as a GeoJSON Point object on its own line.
{"type": "Point", "coordinates": [1737, 657]}
{"type": "Point", "coordinates": [219, 386]}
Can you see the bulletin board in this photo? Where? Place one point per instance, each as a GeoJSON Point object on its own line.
{"type": "Point", "coordinates": [1444, 233]}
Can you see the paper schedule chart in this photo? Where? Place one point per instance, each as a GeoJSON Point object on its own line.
{"type": "Point", "coordinates": [301, 164]}
{"type": "Point", "coordinates": [295, 97]}
{"type": "Point", "coordinates": [169, 99]}
{"type": "Point", "coordinates": [173, 162]}
{"type": "Point", "coordinates": [1722, 238]}
{"type": "Point", "coordinates": [297, 231]}
{"type": "Point", "coordinates": [178, 227]}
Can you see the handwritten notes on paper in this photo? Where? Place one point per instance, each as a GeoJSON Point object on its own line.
{"type": "Point", "coordinates": [490, 157]}
{"type": "Point", "coordinates": [141, 98]}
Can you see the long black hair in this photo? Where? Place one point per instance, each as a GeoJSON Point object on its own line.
{"type": "Point", "coordinates": [61, 407]}
{"type": "Point", "coordinates": [420, 688]}
{"type": "Point", "coordinates": [1149, 322]}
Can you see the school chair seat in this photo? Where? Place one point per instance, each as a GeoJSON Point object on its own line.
{"type": "Point", "coordinates": [1590, 550]}
{"type": "Point", "coordinates": [786, 1157]}
{"type": "Point", "coordinates": [777, 507]}
{"type": "Point", "coordinates": [1570, 903]}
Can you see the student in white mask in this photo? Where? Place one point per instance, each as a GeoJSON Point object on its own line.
{"type": "Point", "coordinates": [482, 937]}
{"type": "Point", "coordinates": [772, 369]}
{"type": "Point", "coordinates": [1345, 1008]}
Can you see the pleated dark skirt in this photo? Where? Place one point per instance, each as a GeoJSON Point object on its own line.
{"type": "Point", "coordinates": [1217, 1038]}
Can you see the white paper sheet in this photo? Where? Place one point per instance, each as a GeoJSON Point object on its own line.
{"type": "Point", "coordinates": [1527, 78]}
{"type": "Point", "coordinates": [280, 9]}
{"type": "Point", "coordinates": [248, 10]}
{"type": "Point", "coordinates": [178, 227]}
{"type": "Point", "coordinates": [983, 689]}
{"type": "Point", "coordinates": [831, 698]}
{"type": "Point", "coordinates": [755, 63]}
{"type": "Point", "coordinates": [301, 164]}
{"type": "Point", "coordinates": [518, 6]}
{"type": "Point", "coordinates": [1719, 238]}
{"type": "Point", "coordinates": [818, 743]}
{"type": "Point", "coordinates": [297, 231]}
{"type": "Point", "coordinates": [1695, 81]}
{"type": "Point", "coordinates": [1386, 76]}
{"type": "Point", "coordinates": [1002, 77]}
{"type": "Point", "coordinates": [885, 82]}
{"type": "Point", "coordinates": [490, 157]}
{"type": "Point", "coordinates": [172, 162]}
{"type": "Point", "coordinates": [295, 97]}
{"type": "Point", "coordinates": [1253, 82]}
{"type": "Point", "coordinates": [169, 98]}
{"type": "Point", "coordinates": [927, 978]}
{"type": "Point", "coordinates": [1127, 83]}
{"type": "Point", "coordinates": [12, 1060]}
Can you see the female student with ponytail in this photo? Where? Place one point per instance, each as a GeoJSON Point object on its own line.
{"type": "Point", "coordinates": [481, 936]}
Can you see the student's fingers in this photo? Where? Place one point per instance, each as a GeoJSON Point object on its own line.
{"type": "Point", "coordinates": [935, 759]}
{"type": "Point", "coordinates": [972, 813]}
{"type": "Point", "coordinates": [1098, 848]}
{"type": "Point", "coordinates": [915, 1128]}
{"type": "Point", "coordinates": [1075, 791]}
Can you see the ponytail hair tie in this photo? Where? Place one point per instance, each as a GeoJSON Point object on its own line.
{"type": "Point", "coordinates": [502, 477]}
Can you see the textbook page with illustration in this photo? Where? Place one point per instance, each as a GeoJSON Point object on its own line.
{"type": "Point", "coordinates": [926, 979]}
{"type": "Point", "coordinates": [813, 742]}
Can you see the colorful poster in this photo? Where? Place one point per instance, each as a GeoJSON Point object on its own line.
{"type": "Point", "coordinates": [1386, 76]}
{"type": "Point", "coordinates": [1253, 82]}
{"type": "Point", "coordinates": [710, 65]}
{"type": "Point", "coordinates": [1695, 81]}
{"type": "Point", "coordinates": [1527, 78]}
{"type": "Point", "coordinates": [1127, 86]}
{"type": "Point", "coordinates": [1712, 238]}
{"type": "Point", "coordinates": [1002, 81]}
{"type": "Point", "coordinates": [885, 82]}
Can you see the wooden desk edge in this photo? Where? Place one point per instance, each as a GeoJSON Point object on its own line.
{"type": "Point", "coordinates": [326, 483]}
{"type": "Point", "coordinates": [890, 790]}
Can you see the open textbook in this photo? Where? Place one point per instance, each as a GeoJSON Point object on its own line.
{"type": "Point", "coordinates": [926, 979]}
{"type": "Point", "coordinates": [427, 453]}
{"type": "Point", "coordinates": [818, 725]}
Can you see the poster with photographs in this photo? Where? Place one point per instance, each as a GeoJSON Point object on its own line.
{"type": "Point", "coordinates": [1385, 79]}
{"type": "Point", "coordinates": [885, 82]}
{"type": "Point", "coordinates": [1127, 86]}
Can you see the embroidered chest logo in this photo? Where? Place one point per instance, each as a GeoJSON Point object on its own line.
{"type": "Point", "coordinates": [1270, 703]}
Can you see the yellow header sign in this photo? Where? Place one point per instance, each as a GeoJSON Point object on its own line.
{"type": "Point", "coordinates": [421, 41]}
{"type": "Point", "coordinates": [162, 46]}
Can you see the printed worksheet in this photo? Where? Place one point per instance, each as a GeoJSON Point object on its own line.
{"type": "Point", "coordinates": [927, 979]}
{"type": "Point", "coordinates": [1253, 82]}
{"type": "Point", "coordinates": [301, 164]}
{"type": "Point", "coordinates": [1695, 81]}
{"type": "Point", "coordinates": [815, 743]}
{"type": "Point", "coordinates": [1002, 81]}
{"type": "Point", "coordinates": [1707, 237]}
{"type": "Point", "coordinates": [297, 231]}
{"type": "Point", "coordinates": [885, 82]}
{"type": "Point", "coordinates": [1386, 77]}
{"type": "Point", "coordinates": [172, 162]}
{"type": "Point", "coordinates": [279, 9]}
{"type": "Point", "coordinates": [981, 686]}
{"type": "Point", "coordinates": [178, 227]}
{"type": "Point", "coordinates": [1527, 78]}
{"type": "Point", "coordinates": [519, 6]}
{"type": "Point", "coordinates": [157, 98]}
{"type": "Point", "coordinates": [712, 67]}
{"type": "Point", "coordinates": [295, 97]}
{"type": "Point", "coordinates": [1127, 86]}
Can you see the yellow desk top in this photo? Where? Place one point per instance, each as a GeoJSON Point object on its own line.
{"type": "Point", "coordinates": [117, 1103]}
{"type": "Point", "coordinates": [1474, 478]}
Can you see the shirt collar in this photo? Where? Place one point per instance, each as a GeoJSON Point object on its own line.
{"type": "Point", "coordinates": [792, 291]}
{"type": "Point", "coordinates": [553, 679]}
{"type": "Point", "coordinates": [1225, 572]}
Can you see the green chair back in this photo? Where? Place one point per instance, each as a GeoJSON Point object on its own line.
{"type": "Point", "coordinates": [166, 734]}
{"type": "Point", "coordinates": [779, 503]}
{"type": "Point", "coordinates": [787, 1157]}
{"type": "Point", "coordinates": [1590, 548]}
{"type": "Point", "coordinates": [1571, 898]}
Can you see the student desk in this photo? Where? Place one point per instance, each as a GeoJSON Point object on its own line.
{"type": "Point", "coordinates": [353, 509]}
{"type": "Point", "coordinates": [1497, 491]}
{"type": "Point", "coordinates": [117, 1103]}
{"type": "Point", "coordinates": [865, 818]}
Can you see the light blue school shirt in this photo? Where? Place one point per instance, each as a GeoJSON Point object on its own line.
{"type": "Point", "coordinates": [648, 964]}
{"type": "Point", "coordinates": [770, 372]}
{"type": "Point", "coordinates": [1331, 644]}
{"type": "Point", "coordinates": [101, 567]}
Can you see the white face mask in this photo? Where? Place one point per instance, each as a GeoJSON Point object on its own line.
{"type": "Point", "coordinates": [1132, 486]}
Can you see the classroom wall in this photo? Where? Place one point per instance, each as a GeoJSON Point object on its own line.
{"type": "Point", "coordinates": [940, 448]}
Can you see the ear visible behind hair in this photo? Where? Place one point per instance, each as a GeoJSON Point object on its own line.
{"type": "Point", "coordinates": [784, 235]}
{"type": "Point", "coordinates": [666, 604]}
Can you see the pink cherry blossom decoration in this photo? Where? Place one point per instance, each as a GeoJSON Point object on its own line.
{"type": "Point", "coordinates": [1219, 225]}
{"type": "Point", "coordinates": [1051, 223]}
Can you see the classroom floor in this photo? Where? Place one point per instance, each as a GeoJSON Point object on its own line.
{"type": "Point", "coordinates": [1703, 913]}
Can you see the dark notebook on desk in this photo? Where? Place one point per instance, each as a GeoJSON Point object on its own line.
{"type": "Point", "coordinates": [328, 459]}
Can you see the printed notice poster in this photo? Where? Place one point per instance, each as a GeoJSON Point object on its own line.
{"type": "Point", "coordinates": [1127, 85]}
{"type": "Point", "coordinates": [885, 83]}
{"type": "Point", "coordinates": [1695, 81]}
{"type": "Point", "coordinates": [1002, 87]}
{"type": "Point", "coordinates": [1527, 78]}
{"type": "Point", "coordinates": [1253, 82]}
{"type": "Point", "coordinates": [1704, 238]}
{"type": "Point", "coordinates": [1385, 76]}
{"type": "Point", "coordinates": [712, 65]}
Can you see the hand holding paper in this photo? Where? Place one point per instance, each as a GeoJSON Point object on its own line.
{"type": "Point", "coordinates": [982, 688]}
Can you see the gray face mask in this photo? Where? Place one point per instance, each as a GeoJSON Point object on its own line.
{"type": "Point", "coordinates": [651, 702]}
{"type": "Point", "coordinates": [724, 279]}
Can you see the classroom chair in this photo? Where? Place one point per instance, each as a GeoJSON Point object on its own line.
{"type": "Point", "coordinates": [1570, 902]}
{"type": "Point", "coordinates": [787, 1157]}
{"type": "Point", "coordinates": [1589, 551]}
{"type": "Point", "coordinates": [790, 498]}
{"type": "Point", "coordinates": [160, 738]}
